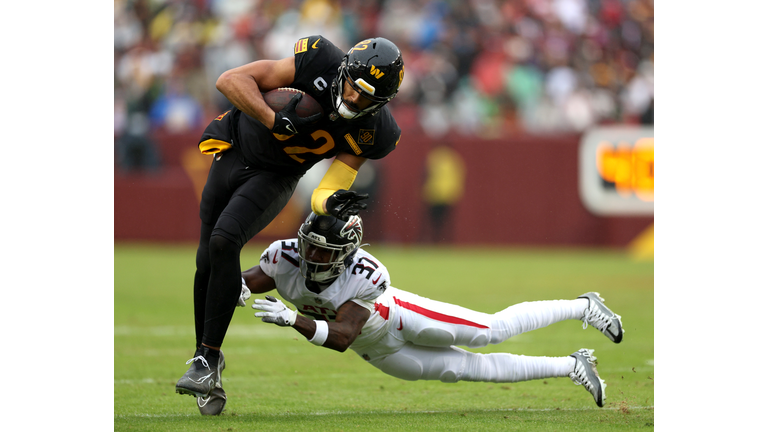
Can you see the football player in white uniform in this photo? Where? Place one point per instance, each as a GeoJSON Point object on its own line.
{"type": "Point", "coordinates": [346, 300]}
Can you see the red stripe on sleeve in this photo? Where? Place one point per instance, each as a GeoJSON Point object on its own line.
{"type": "Point", "coordinates": [436, 315]}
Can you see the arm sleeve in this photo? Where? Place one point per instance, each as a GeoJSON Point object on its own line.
{"type": "Point", "coordinates": [368, 304]}
{"type": "Point", "coordinates": [338, 176]}
{"type": "Point", "coordinates": [373, 287]}
{"type": "Point", "coordinates": [270, 258]}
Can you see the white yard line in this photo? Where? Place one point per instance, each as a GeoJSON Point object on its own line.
{"type": "Point", "coordinates": [328, 413]}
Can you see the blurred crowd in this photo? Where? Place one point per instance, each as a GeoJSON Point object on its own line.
{"type": "Point", "coordinates": [479, 67]}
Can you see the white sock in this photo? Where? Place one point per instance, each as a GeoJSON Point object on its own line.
{"type": "Point", "coordinates": [503, 367]}
{"type": "Point", "coordinates": [527, 316]}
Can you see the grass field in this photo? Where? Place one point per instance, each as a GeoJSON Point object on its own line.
{"type": "Point", "coordinates": [275, 380]}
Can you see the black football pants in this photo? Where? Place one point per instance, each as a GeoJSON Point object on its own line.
{"type": "Point", "coordinates": [238, 202]}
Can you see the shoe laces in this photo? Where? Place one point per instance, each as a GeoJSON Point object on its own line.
{"type": "Point", "coordinates": [593, 315]}
{"type": "Point", "coordinates": [201, 358]}
{"type": "Point", "coordinates": [579, 375]}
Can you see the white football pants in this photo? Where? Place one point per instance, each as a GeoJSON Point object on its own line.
{"type": "Point", "coordinates": [422, 334]}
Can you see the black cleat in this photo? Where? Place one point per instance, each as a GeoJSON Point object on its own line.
{"type": "Point", "coordinates": [214, 403]}
{"type": "Point", "coordinates": [202, 376]}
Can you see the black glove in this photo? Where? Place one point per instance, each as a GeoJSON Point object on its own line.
{"type": "Point", "coordinates": [287, 122]}
{"type": "Point", "coordinates": [344, 203]}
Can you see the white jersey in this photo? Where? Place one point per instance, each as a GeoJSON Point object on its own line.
{"type": "Point", "coordinates": [363, 282]}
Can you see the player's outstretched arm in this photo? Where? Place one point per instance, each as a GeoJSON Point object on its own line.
{"type": "Point", "coordinates": [350, 320]}
{"type": "Point", "coordinates": [338, 335]}
{"type": "Point", "coordinates": [332, 196]}
{"type": "Point", "coordinates": [258, 281]}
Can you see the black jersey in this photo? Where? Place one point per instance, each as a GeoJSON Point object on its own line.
{"type": "Point", "coordinates": [317, 63]}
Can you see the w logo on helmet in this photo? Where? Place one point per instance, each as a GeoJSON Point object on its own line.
{"type": "Point", "coordinates": [353, 230]}
{"type": "Point", "coordinates": [376, 72]}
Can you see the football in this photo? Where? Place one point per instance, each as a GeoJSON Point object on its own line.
{"type": "Point", "coordinates": [278, 98]}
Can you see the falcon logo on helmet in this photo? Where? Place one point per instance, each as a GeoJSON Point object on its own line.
{"type": "Point", "coordinates": [353, 230]}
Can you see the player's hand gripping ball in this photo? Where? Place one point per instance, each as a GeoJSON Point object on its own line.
{"type": "Point", "coordinates": [295, 111]}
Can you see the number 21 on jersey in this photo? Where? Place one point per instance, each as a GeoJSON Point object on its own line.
{"type": "Point", "coordinates": [317, 135]}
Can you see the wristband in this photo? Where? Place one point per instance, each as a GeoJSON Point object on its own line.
{"type": "Point", "coordinates": [321, 333]}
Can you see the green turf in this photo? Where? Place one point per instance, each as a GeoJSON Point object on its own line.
{"type": "Point", "coordinates": [275, 380]}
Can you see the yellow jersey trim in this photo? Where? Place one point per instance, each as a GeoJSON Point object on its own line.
{"type": "Point", "coordinates": [212, 146]}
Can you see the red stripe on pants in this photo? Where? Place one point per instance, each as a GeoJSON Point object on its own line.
{"type": "Point", "coordinates": [436, 315]}
{"type": "Point", "coordinates": [382, 310]}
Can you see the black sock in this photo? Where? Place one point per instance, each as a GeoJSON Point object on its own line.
{"type": "Point", "coordinates": [223, 289]}
{"type": "Point", "coordinates": [211, 355]}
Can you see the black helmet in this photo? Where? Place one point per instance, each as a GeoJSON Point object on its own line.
{"type": "Point", "coordinates": [341, 238]}
{"type": "Point", "coordinates": [373, 67]}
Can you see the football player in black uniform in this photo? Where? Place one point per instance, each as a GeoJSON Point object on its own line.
{"type": "Point", "coordinates": [260, 155]}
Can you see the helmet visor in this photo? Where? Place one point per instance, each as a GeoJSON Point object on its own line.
{"type": "Point", "coordinates": [366, 89]}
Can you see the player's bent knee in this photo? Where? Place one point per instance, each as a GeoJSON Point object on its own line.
{"type": "Point", "coordinates": [220, 245]}
{"type": "Point", "coordinates": [401, 366]}
{"type": "Point", "coordinates": [435, 337]}
{"type": "Point", "coordinates": [478, 341]}
{"type": "Point", "coordinates": [449, 376]}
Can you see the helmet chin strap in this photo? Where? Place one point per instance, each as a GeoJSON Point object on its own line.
{"type": "Point", "coordinates": [348, 113]}
{"type": "Point", "coordinates": [343, 110]}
